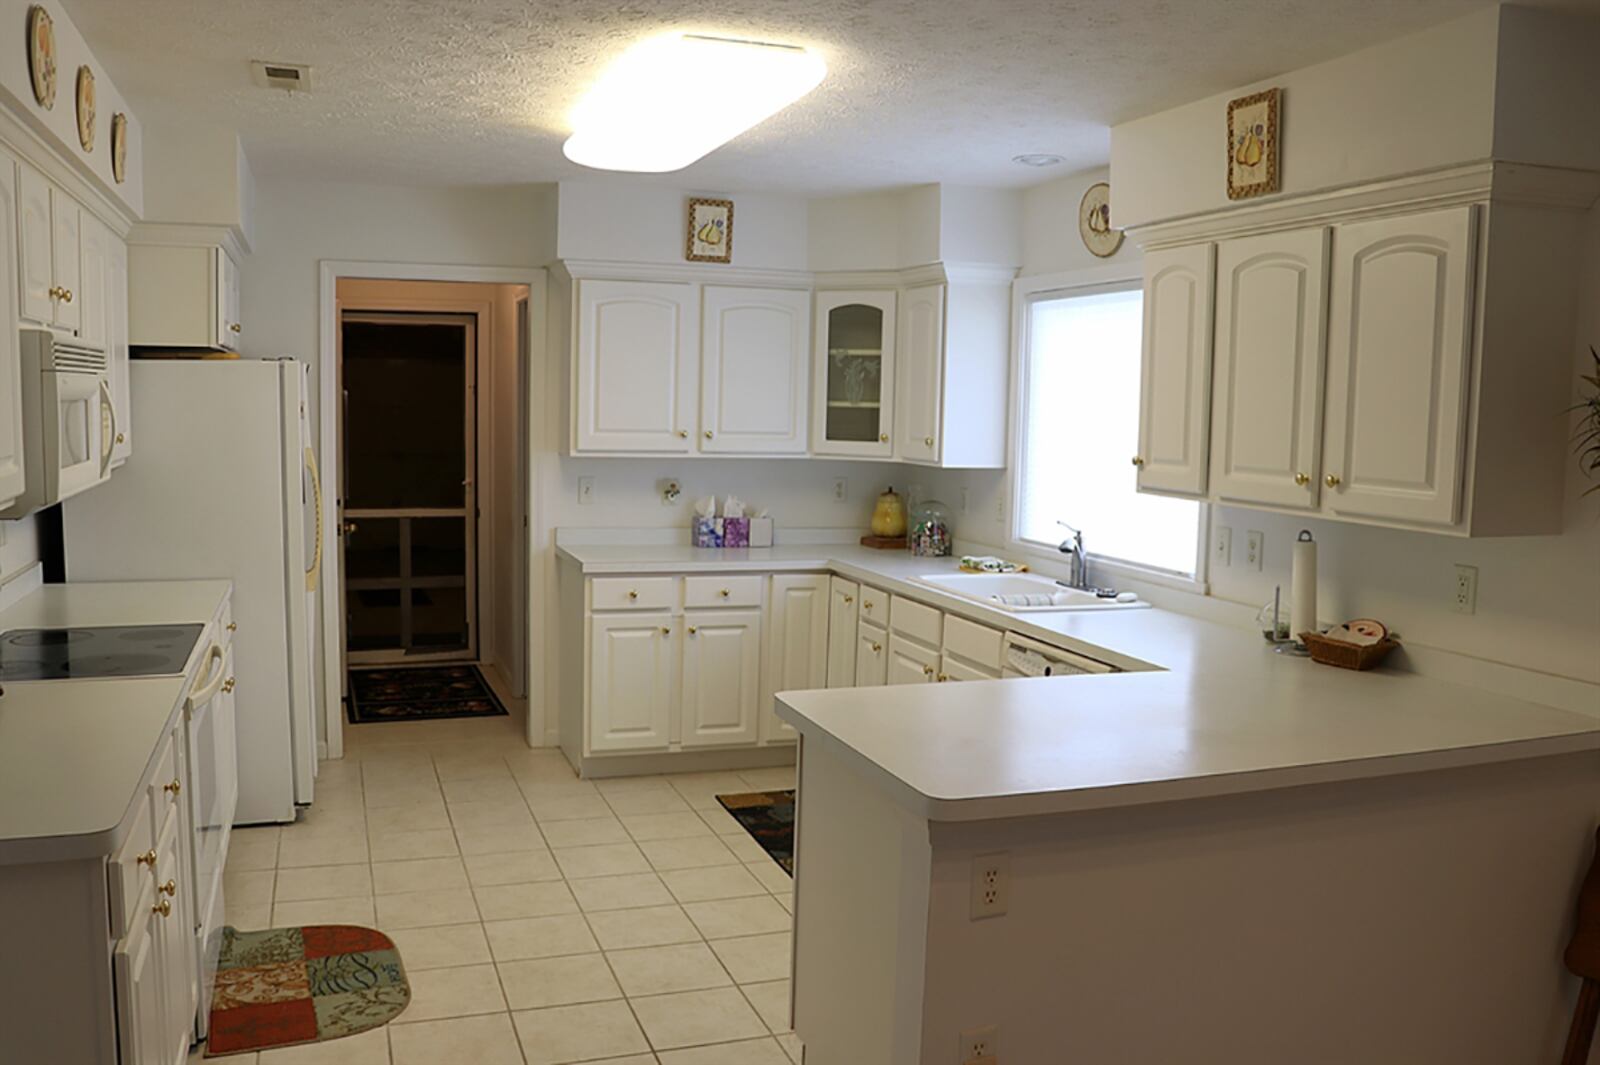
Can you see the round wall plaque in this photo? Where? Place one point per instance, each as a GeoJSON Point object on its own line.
{"type": "Point", "coordinates": [1094, 221]}
{"type": "Point", "coordinates": [86, 108]}
{"type": "Point", "coordinates": [42, 55]}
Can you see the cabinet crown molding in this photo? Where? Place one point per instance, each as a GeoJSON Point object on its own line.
{"type": "Point", "coordinates": [686, 273]}
{"type": "Point", "coordinates": [189, 235]}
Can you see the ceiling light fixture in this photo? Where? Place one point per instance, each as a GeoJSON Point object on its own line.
{"type": "Point", "coordinates": [1038, 159]}
{"type": "Point", "coordinates": [670, 100]}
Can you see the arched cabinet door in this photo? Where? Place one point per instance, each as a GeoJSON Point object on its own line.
{"type": "Point", "coordinates": [755, 370]}
{"type": "Point", "coordinates": [636, 378]}
{"type": "Point", "coordinates": [1175, 386]}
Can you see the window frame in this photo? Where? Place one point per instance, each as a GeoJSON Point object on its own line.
{"type": "Point", "coordinates": [1025, 292]}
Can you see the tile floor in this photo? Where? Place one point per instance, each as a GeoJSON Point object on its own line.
{"type": "Point", "coordinates": [542, 919]}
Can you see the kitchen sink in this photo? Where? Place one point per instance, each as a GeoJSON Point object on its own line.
{"type": "Point", "coordinates": [1004, 591]}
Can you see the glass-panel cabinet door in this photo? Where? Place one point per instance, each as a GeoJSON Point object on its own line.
{"type": "Point", "coordinates": [855, 373]}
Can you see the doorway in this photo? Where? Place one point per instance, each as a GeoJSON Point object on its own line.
{"type": "Point", "coordinates": [409, 472]}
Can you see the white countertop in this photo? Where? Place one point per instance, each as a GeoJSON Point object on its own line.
{"type": "Point", "coordinates": [1206, 709]}
{"type": "Point", "coordinates": [73, 753]}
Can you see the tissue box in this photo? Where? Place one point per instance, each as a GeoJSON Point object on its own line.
{"type": "Point", "coordinates": [760, 532]}
{"type": "Point", "coordinates": [707, 532]}
{"type": "Point", "coordinates": [735, 532]}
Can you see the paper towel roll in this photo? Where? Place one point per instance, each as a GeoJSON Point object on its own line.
{"type": "Point", "coordinates": [1303, 586]}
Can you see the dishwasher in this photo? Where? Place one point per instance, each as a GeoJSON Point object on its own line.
{"type": "Point", "coordinates": [1027, 657]}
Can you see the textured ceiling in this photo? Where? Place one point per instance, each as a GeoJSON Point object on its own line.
{"type": "Point", "coordinates": [475, 91]}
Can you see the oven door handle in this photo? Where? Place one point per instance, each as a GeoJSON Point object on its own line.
{"type": "Point", "coordinates": [201, 693]}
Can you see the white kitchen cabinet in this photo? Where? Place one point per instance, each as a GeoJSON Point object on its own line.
{"type": "Point", "coordinates": [797, 646]}
{"type": "Point", "coordinates": [855, 374]}
{"type": "Point", "coordinates": [94, 282]}
{"type": "Point", "coordinates": [921, 352]}
{"type": "Point", "coordinates": [174, 924]}
{"type": "Point", "coordinates": [49, 235]}
{"type": "Point", "coordinates": [11, 435]}
{"type": "Point", "coordinates": [636, 366]}
{"type": "Point", "coordinates": [970, 651]}
{"type": "Point", "coordinates": [1175, 390]}
{"type": "Point", "coordinates": [1266, 391]}
{"type": "Point", "coordinates": [138, 964]}
{"type": "Point", "coordinates": [721, 677]}
{"type": "Point", "coordinates": [66, 235]}
{"type": "Point", "coordinates": [117, 352]}
{"type": "Point", "coordinates": [955, 669]}
{"type": "Point", "coordinates": [631, 681]}
{"type": "Point", "coordinates": [911, 662]}
{"type": "Point", "coordinates": [842, 633]}
{"type": "Point", "coordinates": [951, 370]}
{"type": "Point", "coordinates": [183, 296]}
{"type": "Point", "coordinates": [1399, 356]}
{"type": "Point", "coordinates": [755, 349]}
{"type": "Point", "coordinates": [872, 657]}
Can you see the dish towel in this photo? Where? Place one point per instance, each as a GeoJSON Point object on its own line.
{"type": "Point", "coordinates": [1028, 663]}
{"type": "Point", "coordinates": [1033, 599]}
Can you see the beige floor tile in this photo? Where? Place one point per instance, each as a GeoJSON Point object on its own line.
{"type": "Point", "coordinates": [778, 778]}
{"type": "Point", "coordinates": [501, 789]}
{"type": "Point", "coordinates": [418, 909]}
{"type": "Point", "coordinates": [544, 787]}
{"type": "Point", "coordinates": [790, 1044]}
{"type": "Point", "coordinates": [504, 901]}
{"type": "Point", "coordinates": [620, 892]}
{"type": "Point", "coordinates": [418, 874]}
{"type": "Point", "coordinates": [771, 875]}
{"type": "Point", "coordinates": [609, 786]}
{"type": "Point", "coordinates": [694, 1018]}
{"type": "Point", "coordinates": [486, 1040]}
{"type": "Point", "coordinates": [489, 814]}
{"type": "Point", "coordinates": [745, 1052]}
{"type": "Point", "coordinates": [252, 849]}
{"type": "Point", "coordinates": [540, 937]}
{"type": "Point", "coordinates": [247, 918]}
{"type": "Point", "coordinates": [610, 859]}
{"type": "Point", "coordinates": [584, 832]}
{"type": "Point", "coordinates": [415, 817]}
{"type": "Point", "coordinates": [367, 1048]}
{"type": "Point", "coordinates": [499, 839]}
{"type": "Point", "coordinates": [400, 846]}
{"type": "Point", "coordinates": [470, 767]}
{"type": "Point", "coordinates": [747, 849]}
{"type": "Point", "coordinates": [752, 959]}
{"type": "Point", "coordinates": [342, 848]}
{"type": "Point", "coordinates": [534, 983]}
{"type": "Point", "coordinates": [332, 812]}
{"type": "Point", "coordinates": [441, 946]}
{"type": "Point", "coordinates": [323, 882]}
{"type": "Point", "coordinates": [562, 1034]}
{"type": "Point", "coordinates": [252, 888]}
{"type": "Point", "coordinates": [660, 970]}
{"type": "Point", "coordinates": [721, 821]}
{"type": "Point", "coordinates": [662, 801]}
{"type": "Point", "coordinates": [712, 882]}
{"type": "Point", "coordinates": [726, 918]}
{"type": "Point", "coordinates": [456, 992]}
{"type": "Point", "coordinates": [323, 911]}
{"type": "Point", "coordinates": [568, 807]}
{"type": "Point", "coordinates": [771, 1000]}
{"type": "Point", "coordinates": [665, 826]}
{"type": "Point", "coordinates": [512, 868]}
{"type": "Point", "coordinates": [700, 790]}
{"type": "Point", "coordinates": [687, 853]}
{"type": "Point", "coordinates": [653, 926]}
{"type": "Point", "coordinates": [404, 792]}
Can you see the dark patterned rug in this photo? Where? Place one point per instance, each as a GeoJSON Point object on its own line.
{"type": "Point", "coordinates": [415, 693]}
{"type": "Point", "coordinates": [769, 817]}
{"type": "Point", "coordinates": [286, 986]}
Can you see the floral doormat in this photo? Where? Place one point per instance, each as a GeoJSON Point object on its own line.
{"type": "Point", "coordinates": [415, 693]}
{"type": "Point", "coordinates": [769, 817]}
{"type": "Point", "coordinates": [302, 985]}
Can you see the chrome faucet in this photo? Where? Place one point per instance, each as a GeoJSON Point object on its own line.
{"type": "Point", "coordinates": [1079, 565]}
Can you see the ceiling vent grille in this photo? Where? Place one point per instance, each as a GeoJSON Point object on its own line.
{"type": "Point", "coordinates": [295, 77]}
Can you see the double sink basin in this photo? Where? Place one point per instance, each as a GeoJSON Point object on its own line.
{"type": "Point", "coordinates": [1020, 593]}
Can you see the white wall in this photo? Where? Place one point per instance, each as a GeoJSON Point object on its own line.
{"type": "Point", "coordinates": [1547, 89]}
{"type": "Point", "coordinates": [198, 175]}
{"type": "Point", "coordinates": [1050, 239]}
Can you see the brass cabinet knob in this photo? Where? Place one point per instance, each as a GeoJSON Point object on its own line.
{"type": "Point", "coordinates": [866, 604]}
{"type": "Point", "coordinates": [883, 438]}
{"type": "Point", "coordinates": [1137, 461]}
{"type": "Point", "coordinates": [66, 295]}
{"type": "Point", "coordinates": [941, 678]}
{"type": "Point", "coordinates": [233, 626]}
{"type": "Point", "coordinates": [164, 908]}
{"type": "Point", "coordinates": [1332, 480]}
{"type": "Point", "coordinates": [1302, 479]}
{"type": "Point", "coordinates": [927, 671]}
{"type": "Point", "coordinates": [666, 630]}
{"type": "Point", "coordinates": [227, 685]}
{"type": "Point", "coordinates": [122, 438]}
{"type": "Point", "coordinates": [723, 593]}
{"type": "Point", "coordinates": [147, 858]}
{"type": "Point", "coordinates": [693, 630]}
{"type": "Point", "coordinates": [876, 647]}
{"type": "Point", "coordinates": [928, 440]}
{"type": "Point", "coordinates": [174, 788]}
{"type": "Point", "coordinates": [683, 434]}
{"type": "Point", "coordinates": [849, 599]}
{"type": "Point", "coordinates": [55, 292]}
{"type": "Point", "coordinates": [633, 594]}
{"type": "Point", "coordinates": [169, 889]}
{"type": "Point", "coordinates": [236, 327]}
{"type": "Point", "coordinates": [708, 434]}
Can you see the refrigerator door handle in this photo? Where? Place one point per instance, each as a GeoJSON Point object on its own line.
{"type": "Point", "coordinates": [314, 572]}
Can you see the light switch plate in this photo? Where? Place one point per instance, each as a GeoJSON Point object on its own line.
{"type": "Point", "coordinates": [1222, 546]}
{"type": "Point", "coordinates": [585, 491]}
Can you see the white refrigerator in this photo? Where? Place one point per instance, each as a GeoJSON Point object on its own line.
{"type": "Point", "coordinates": [224, 484]}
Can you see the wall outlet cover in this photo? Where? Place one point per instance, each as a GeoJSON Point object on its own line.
{"type": "Point", "coordinates": [991, 885]}
{"type": "Point", "coordinates": [1254, 548]}
{"type": "Point", "coordinates": [841, 489]}
{"type": "Point", "coordinates": [1465, 600]}
{"type": "Point", "coordinates": [980, 1046]}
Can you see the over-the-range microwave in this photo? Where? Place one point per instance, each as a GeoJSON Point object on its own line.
{"type": "Point", "coordinates": [69, 422]}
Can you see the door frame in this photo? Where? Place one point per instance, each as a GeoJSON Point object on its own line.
{"type": "Point", "coordinates": [477, 342]}
{"type": "Point", "coordinates": [544, 386]}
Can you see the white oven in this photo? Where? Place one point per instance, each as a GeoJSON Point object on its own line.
{"type": "Point", "coordinates": [69, 421]}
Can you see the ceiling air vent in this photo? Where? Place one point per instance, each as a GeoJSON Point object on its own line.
{"type": "Point", "coordinates": [291, 76]}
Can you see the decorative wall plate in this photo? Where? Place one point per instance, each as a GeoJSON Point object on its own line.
{"type": "Point", "coordinates": [119, 147]}
{"type": "Point", "coordinates": [86, 108]}
{"type": "Point", "coordinates": [42, 55]}
{"type": "Point", "coordinates": [710, 235]}
{"type": "Point", "coordinates": [1094, 221]}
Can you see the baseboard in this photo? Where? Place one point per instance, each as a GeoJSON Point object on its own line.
{"type": "Point", "coordinates": [630, 765]}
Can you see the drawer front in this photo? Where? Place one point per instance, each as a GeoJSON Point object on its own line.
{"type": "Point", "coordinates": [634, 593]}
{"type": "Point", "coordinates": [975, 643]}
{"type": "Point", "coordinates": [165, 787]}
{"type": "Point", "coordinates": [874, 606]}
{"type": "Point", "coordinates": [721, 591]}
{"type": "Point", "coordinates": [132, 867]}
{"type": "Point", "coordinates": [912, 619]}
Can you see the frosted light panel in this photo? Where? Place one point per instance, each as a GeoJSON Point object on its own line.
{"type": "Point", "coordinates": [1081, 427]}
{"type": "Point", "coordinates": [670, 100]}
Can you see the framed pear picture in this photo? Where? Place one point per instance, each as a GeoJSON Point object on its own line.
{"type": "Point", "coordinates": [710, 235]}
{"type": "Point", "coordinates": [1253, 144]}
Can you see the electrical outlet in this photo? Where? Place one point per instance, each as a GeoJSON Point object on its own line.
{"type": "Point", "coordinates": [1254, 548]}
{"type": "Point", "coordinates": [1222, 546]}
{"type": "Point", "coordinates": [585, 491]}
{"type": "Point", "coordinates": [1000, 509]}
{"type": "Point", "coordinates": [841, 489]}
{"type": "Point", "coordinates": [980, 1046]}
{"type": "Point", "coordinates": [991, 885]}
{"type": "Point", "coordinates": [1466, 598]}
{"type": "Point", "coordinates": [966, 499]}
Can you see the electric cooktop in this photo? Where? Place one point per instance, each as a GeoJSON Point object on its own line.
{"type": "Point", "coordinates": [104, 651]}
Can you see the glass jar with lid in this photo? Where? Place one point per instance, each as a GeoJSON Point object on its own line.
{"type": "Point", "coordinates": [930, 535]}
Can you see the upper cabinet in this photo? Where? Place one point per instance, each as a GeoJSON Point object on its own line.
{"type": "Point", "coordinates": [50, 258]}
{"type": "Point", "coordinates": [952, 370]}
{"type": "Point", "coordinates": [855, 367]}
{"type": "Point", "coordinates": [921, 357]}
{"type": "Point", "coordinates": [12, 479]}
{"type": "Point", "coordinates": [634, 368]}
{"type": "Point", "coordinates": [183, 296]}
{"type": "Point", "coordinates": [1174, 401]}
{"type": "Point", "coordinates": [755, 349]}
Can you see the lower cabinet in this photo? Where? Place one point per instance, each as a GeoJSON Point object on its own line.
{"type": "Point", "coordinates": [872, 657]}
{"type": "Point", "coordinates": [631, 681]}
{"type": "Point", "coordinates": [911, 662]}
{"type": "Point", "coordinates": [721, 677]}
{"type": "Point", "coordinates": [797, 646]}
{"type": "Point", "coordinates": [842, 633]}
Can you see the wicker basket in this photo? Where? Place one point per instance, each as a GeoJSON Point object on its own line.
{"type": "Point", "coordinates": [1347, 655]}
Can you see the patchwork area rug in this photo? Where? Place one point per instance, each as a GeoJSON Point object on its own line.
{"type": "Point", "coordinates": [416, 693]}
{"type": "Point", "coordinates": [286, 986]}
{"type": "Point", "coordinates": [769, 817]}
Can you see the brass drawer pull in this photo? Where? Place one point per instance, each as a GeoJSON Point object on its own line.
{"type": "Point", "coordinates": [1137, 461]}
{"type": "Point", "coordinates": [1332, 480]}
{"type": "Point", "coordinates": [227, 685]}
{"type": "Point", "coordinates": [693, 629]}
{"type": "Point", "coordinates": [169, 889]}
{"type": "Point", "coordinates": [175, 788]}
{"type": "Point", "coordinates": [164, 908]}
{"type": "Point", "coordinates": [1302, 479]}
{"type": "Point", "coordinates": [147, 858]}
{"type": "Point", "coordinates": [723, 593]}
{"type": "Point", "coordinates": [876, 647]}
{"type": "Point", "coordinates": [849, 599]}
{"type": "Point", "coordinates": [666, 631]}
{"type": "Point", "coordinates": [233, 626]}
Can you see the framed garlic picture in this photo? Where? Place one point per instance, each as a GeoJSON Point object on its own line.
{"type": "Point", "coordinates": [1253, 144]}
{"type": "Point", "coordinates": [710, 234]}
